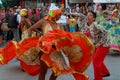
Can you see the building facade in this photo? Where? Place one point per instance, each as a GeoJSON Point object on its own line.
{"type": "Point", "coordinates": [38, 3]}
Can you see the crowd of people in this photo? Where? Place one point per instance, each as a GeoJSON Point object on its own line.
{"type": "Point", "coordinates": [73, 19]}
{"type": "Point", "coordinates": [97, 22]}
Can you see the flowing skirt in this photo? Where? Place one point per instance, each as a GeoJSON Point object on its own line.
{"type": "Point", "coordinates": [64, 52]}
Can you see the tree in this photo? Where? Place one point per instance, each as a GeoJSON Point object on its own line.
{"type": "Point", "coordinates": [10, 3]}
{"type": "Point", "coordinates": [1, 4]}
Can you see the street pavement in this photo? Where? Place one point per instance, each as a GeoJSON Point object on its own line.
{"type": "Point", "coordinates": [12, 71]}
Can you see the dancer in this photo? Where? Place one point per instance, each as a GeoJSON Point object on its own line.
{"type": "Point", "coordinates": [48, 24]}
{"type": "Point", "coordinates": [99, 38]}
{"type": "Point", "coordinates": [45, 25]}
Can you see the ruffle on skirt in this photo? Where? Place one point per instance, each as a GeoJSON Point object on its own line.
{"type": "Point", "coordinates": [76, 46]}
{"type": "Point", "coordinates": [8, 53]}
{"type": "Point", "coordinates": [26, 52]}
{"type": "Point", "coordinates": [114, 47]}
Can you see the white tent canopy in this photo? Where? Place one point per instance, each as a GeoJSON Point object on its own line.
{"type": "Point", "coordinates": [95, 1]}
{"type": "Point", "coordinates": [107, 1]}
{"type": "Point", "coordinates": [78, 1]}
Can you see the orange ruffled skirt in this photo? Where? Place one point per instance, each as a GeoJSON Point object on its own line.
{"type": "Point", "coordinates": [64, 52]}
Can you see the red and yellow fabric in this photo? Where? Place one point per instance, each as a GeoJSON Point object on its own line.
{"type": "Point", "coordinates": [76, 46]}
{"type": "Point", "coordinates": [8, 53]}
{"type": "Point", "coordinates": [29, 55]}
{"type": "Point", "coordinates": [29, 63]}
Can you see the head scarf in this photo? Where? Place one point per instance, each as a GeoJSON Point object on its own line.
{"type": "Point", "coordinates": [53, 12]}
{"type": "Point", "coordinates": [24, 12]}
{"type": "Point", "coordinates": [114, 11]}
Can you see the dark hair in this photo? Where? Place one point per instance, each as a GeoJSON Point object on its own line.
{"type": "Point", "coordinates": [68, 16]}
{"type": "Point", "coordinates": [33, 11]}
{"type": "Point", "coordinates": [73, 16]}
{"type": "Point", "coordinates": [94, 14]}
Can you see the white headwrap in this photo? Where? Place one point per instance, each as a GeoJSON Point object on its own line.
{"type": "Point", "coordinates": [53, 7]}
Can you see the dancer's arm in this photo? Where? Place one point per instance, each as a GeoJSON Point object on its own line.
{"type": "Point", "coordinates": [35, 27]}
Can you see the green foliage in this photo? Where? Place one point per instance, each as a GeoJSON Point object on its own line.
{"type": "Point", "coordinates": [10, 3]}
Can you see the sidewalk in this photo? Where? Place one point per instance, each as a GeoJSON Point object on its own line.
{"type": "Point", "coordinates": [12, 71]}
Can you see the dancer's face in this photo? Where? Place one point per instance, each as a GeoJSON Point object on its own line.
{"type": "Point", "coordinates": [58, 16]}
{"type": "Point", "coordinates": [89, 18]}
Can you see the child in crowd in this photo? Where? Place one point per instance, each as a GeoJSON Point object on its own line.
{"type": "Point", "coordinates": [72, 23]}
